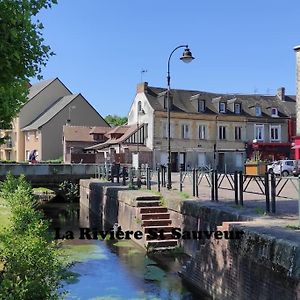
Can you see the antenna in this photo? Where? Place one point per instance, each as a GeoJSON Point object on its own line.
{"type": "Point", "coordinates": [142, 72]}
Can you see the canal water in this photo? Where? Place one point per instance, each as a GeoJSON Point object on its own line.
{"type": "Point", "coordinates": [114, 270]}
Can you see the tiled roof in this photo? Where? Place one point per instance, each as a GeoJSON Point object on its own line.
{"type": "Point", "coordinates": [183, 102]}
{"type": "Point", "coordinates": [49, 113]}
{"type": "Point", "coordinates": [77, 134]}
{"type": "Point", "coordinates": [100, 129]}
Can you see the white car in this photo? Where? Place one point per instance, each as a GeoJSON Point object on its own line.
{"type": "Point", "coordinates": [281, 167]}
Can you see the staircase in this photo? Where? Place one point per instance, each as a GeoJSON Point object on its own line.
{"type": "Point", "coordinates": [155, 217]}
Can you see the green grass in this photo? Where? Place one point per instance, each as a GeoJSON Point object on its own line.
{"type": "Point", "coordinates": [42, 190]}
{"type": "Point", "coordinates": [4, 215]}
{"type": "Point", "coordinates": [259, 211]}
{"type": "Point", "coordinates": [184, 195]}
{"type": "Point", "coordinates": [294, 227]}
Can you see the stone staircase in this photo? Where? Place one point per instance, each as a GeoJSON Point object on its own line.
{"type": "Point", "coordinates": [156, 217]}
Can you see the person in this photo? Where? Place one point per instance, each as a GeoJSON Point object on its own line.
{"type": "Point", "coordinates": [32, 157]}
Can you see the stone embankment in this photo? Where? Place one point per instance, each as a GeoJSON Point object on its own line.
{"type": "Point", "coordinates": [263, 264]}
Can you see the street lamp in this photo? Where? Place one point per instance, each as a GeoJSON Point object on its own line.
{"type": "Point", "coordinates": [186, 57]}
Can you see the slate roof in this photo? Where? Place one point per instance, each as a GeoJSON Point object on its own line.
{"type": "Point", "coordinates": [38, 87]}
{"type": "Point", "coordinates": [182, 102]}
{"type": "Point", "coordinates": [50, 112]}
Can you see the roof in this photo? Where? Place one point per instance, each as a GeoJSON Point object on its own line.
{"type": "Point", "coordinates": [50, 112]}
{"type": "Point", "coordinates": [38, 87]}
{"type": "Point", "coordinates": [119, 129]}
{"type": "Point", "coordinates": [100, 129]}
{"type": "Point", "coordinates": [184, 101]}
{"type": "Point", "coordinates": [78, 133]}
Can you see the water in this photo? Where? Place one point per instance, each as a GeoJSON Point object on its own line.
{"type": "Point", "coordinates": [114, 270]}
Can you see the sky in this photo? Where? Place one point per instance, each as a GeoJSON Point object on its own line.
{"type": "Point", "coordinates": [239, 47]}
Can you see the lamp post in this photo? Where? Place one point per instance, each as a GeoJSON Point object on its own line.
{"type": "Point", "coordinates": [186, 57]}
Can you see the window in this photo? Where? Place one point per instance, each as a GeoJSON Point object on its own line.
{"type": "Point", "coordinates": [275, 133]}
{"type": "Point", "coordinates": [259, 132]}
{"type": "Point", "coordinates": [202, 132]}
{"type": "Point", "coordinates": [27, 154]}
{"type": "Point", "coordinates": [201, 105]}
{"type": "Point", "coordinates": [222, 133]}
{"type": "Point", "coordinates": [274, 112]}
{"type": "Point", "coordinates": [222, 107]}
{"type": "Point", "coordinates": [237, 108]}
{"type": "Point", "coordinates": [36, 133]}
{"type": "Point", "coordinates": [139, 106]}
{"type": "Point", "coordinates": [185, 134]}
{"type": "Point", "coordinates": [238, 133]}
{"type": "Point", "coordinates": [27, 135]}
{"type": "Point", "coordinates": [164, 129]}
{"type": "Point", "coordinates": [258, 111]}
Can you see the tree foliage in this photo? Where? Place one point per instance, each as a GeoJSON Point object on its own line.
{"type": "Point", "coordinates": [22, 52]}
{"type": "Point", "coordinates": [114, 120]}
{"type": "Point", "coordinates": [32, 267]}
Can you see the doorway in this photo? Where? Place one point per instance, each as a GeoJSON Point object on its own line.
{"type": "Point", "coordinates": [221, 162]}
{"type": "Point", "coordinates": [174, 161]}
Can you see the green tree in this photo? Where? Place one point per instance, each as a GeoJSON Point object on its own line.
{"type": "Point", "coordinates": [22, 52]}
{"type": "Point", "coordinates": [114, 120]}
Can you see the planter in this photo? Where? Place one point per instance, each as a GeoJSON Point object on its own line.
{"type": "Point", "coordinates": [255, 168]}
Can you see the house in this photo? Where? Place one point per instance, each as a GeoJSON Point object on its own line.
{"type": "Point", "coordinates": [211, 129]}
{"type": "Point", "coordinates": [77, 138]}
{"type": "Point", "coordinates": [40, 122]}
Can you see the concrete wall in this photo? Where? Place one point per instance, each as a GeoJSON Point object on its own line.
{"type": "Point", "coordinates": [52, 132]}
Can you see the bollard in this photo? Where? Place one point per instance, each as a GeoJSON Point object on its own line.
{"type": "Point", "coordinates": [273, 193]}
{"type": "Point", "coordinates": [124, 176]}
{"type": "Point", "coordinates": [241, 188]}
{"type": "Point", "coordinates": [196, 182]}
{"type": "Point", "coordinates": [236, 188]}
{"type": "Point", "coordinates": [158, 179]}
{"type": "Point", "coordinates": [267, 192]}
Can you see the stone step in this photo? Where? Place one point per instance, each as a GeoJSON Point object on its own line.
{"type": "Point", "coordinates": [154, 216]}
{"type": "Point", "coordinates": [167, 236]}
{"type": "Point", "coordinates": [147, 203]}
{"type": "Point", "coordinates": [162, 243]}
{"type": "Point", "coordinates": [164, 228]}
{"type": "Point", "coordinates": [154, 209]}
{"type": "Point", "coordinates": [156, 222]}
{"type": "Point", "coordinates": [147, 198]}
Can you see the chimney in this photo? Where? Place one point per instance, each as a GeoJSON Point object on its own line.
{"type": "Point", "coordinates": [281, 93]}
{"type": "Point", "coordinates": [297, 50]}
{"type": "Point", "coordinates": [142, 87]}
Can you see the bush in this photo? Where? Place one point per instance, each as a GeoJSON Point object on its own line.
{"type": "Point", "coordinates": [32, 267]}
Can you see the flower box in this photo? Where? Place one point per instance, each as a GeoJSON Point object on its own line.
{"type": "Point", "coordinates": [256, 168]}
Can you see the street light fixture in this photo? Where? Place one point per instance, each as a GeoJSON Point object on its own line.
{"type": "Point", "coordinates": [186, 57]}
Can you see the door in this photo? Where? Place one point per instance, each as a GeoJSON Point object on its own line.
{"type": "Point", "coordinates": [164, 159]}
{"type": "Point", "coordinates": [201, 160]}
{"type": "Point", "coordinates": [174, 161]}
{"type": "Point", "coordinates": [221, 162]}
{"type": "Point", "coordinates": [182, 160]}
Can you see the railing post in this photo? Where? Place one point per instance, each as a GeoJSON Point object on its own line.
{"type": "Point", "coordinates": [124, 176]}
{"type": "Point", "coordinates": [180, 179]}
{"type": "Point", "coordinates": [267, 192]}
{"type": "Point", "coordinates": [236, 188]}
{"type": "Point", "coordinates": [106, 172]}
{"type": "Point", "coordinates": [164, 176]}
{"type": "Point", "coordinates": [139, 183]}
{"type": "Point", "coordinates": [216, 186]}
{"type": "Point", "coordinates": [118, 173]}
{"type": "Point", "coordinates": [212, 185]}
{"type": "Point", "coordinates": [241, 188]}
{"type": "Point", "coordinates": [158, 179]}
{"type": "Point", "coordinates": [194, 179]}
{"type": "Point", "coordinates": [196, 182]}
{"type": "Point", "coordinates": [148, 184]}
{"type": "Point", "coordinates": [112, 173]}
{"type": "Point", "coordinates": [131, 177]}
{"type": "Point", "coordinates": [273, 193]}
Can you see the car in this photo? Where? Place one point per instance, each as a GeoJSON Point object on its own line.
{"type": "Point", "coordinates": [296, 171]}
{"type": "Point", "coordinates": [282, 167]}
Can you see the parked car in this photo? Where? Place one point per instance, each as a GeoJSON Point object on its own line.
{"type": "Point", "coordinates": [282, 167]}
{"type": "Point", "coordinates": [296, 171]}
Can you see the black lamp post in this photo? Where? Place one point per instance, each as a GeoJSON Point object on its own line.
{"type": "Point", "coordinates": [186, 57]}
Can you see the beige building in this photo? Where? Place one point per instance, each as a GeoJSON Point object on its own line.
{"type": "Point", "coordinates": [39, 125]}
{"type": "Point", "coordinates": [210, 129]}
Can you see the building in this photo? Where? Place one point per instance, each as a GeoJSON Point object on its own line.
{"type": "Point", "coordinates": [39, 124]}
{"type": "Point", "coordinates": [210, 129]}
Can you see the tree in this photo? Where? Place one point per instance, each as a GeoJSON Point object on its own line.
{"type": "Point", "coordinates": [22, 53]}
{"type": "Point", "coordinates": [114, 120]}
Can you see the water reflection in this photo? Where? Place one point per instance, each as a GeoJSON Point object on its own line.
{"type": "Point", "coordinates": [116, 269]}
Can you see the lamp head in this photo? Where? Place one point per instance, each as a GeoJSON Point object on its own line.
{"type": "Point", "coordinates": [187, 56]}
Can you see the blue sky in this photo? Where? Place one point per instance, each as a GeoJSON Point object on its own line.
{"type": "Point", "coordinates": [102, 46]}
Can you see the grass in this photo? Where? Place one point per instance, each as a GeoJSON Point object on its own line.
{"type": "Point", "coordinates": [184, 195]}
{"type": "Point", "coordinates": [294, 227]}
{"type": "Point", "coordinates": [259, 211]}
{"type": "Point", "coordinates": [4, 215]}
{"type": "Point", "coordinates": [42, 190]}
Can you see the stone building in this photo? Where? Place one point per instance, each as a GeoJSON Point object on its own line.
{"type": "Point", "coordinates": [210, 129]}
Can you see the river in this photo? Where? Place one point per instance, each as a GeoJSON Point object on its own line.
{"type": "Point", "coordinates": [114, 270]}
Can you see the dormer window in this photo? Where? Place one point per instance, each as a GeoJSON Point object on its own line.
{"type": "Point", "coordinates": [201, 105]}
{"type": "Point", "coordinates": [258, 111]}
{"type": "Point", "coordinates": [222, 107]}
{"type": "Point", "coordinates": [237, 108]}
{"type": "Point", "coordinates": [274, 112]}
